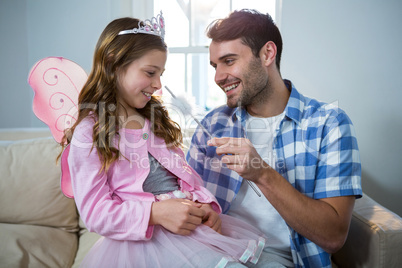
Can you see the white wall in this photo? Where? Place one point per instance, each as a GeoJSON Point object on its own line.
{"type": "Point", "coordinates": [15, 100]}
{"type": "Point", "coordinates": [350, 52]}
{"type": "Point", "coordinates": [335, 50]}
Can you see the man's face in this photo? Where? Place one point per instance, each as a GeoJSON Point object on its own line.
{"type": "Point", "coordinates": [238, 72]}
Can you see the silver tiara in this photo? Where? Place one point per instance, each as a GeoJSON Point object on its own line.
{"type": "Point", "coordinates": [155, 26]}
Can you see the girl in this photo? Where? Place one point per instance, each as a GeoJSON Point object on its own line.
{"type": "Point", "coordinates": [130, 180]}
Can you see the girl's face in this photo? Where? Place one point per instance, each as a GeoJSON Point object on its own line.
{"type": "Point", "coordinates": [140, 80]}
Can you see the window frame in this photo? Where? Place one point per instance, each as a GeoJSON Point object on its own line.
{"type": "Point", "coordinates": [146, 9]}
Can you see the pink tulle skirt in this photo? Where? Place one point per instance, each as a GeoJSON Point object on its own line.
{"type": "Point", "coordinates": [239, 244]}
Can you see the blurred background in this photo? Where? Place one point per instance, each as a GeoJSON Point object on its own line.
{"type": "Point", "coordinates": [337, 51]}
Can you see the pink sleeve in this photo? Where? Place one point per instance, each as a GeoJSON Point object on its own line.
{"type": "Point", "coordinates": [200, 193]}
{"type": "Point", "coordinates": [101, 211]}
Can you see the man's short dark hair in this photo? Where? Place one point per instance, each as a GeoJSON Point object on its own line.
{"type": "Point", "coordinates": [254, 28]}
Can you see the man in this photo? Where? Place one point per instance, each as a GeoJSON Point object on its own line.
{"type": "Point", "coordinates": [302, 154]}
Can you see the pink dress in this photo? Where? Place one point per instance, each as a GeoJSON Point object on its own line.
{"type": "Point", "coordinates": [114, 205]}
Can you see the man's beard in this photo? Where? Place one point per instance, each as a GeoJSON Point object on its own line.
{"type": "Point", "coordinates": [256, 86]}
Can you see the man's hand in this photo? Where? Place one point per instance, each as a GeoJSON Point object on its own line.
{"type": "Point", "coordinates": [180, 216]}
{"type": "Point", "coordinates": [240, 156]}
{"type": "Point", "coordinates": [211, 218]}
{"type": "Point", "coordinates": [324, 221]}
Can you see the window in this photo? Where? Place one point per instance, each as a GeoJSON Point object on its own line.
{"type": "Point", "coordinates": [187, 68]}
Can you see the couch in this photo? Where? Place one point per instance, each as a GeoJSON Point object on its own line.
{"type": "Point", "coordinates": [40, 227]}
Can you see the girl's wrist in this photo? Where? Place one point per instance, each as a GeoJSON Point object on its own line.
{"type": "Point", "coordinates": [153, 215]}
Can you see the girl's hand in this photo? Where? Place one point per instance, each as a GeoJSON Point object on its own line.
{"type": "Point", "coordinates": [180, 216]}
{"type": "Point", "coordinates": [211, 218]}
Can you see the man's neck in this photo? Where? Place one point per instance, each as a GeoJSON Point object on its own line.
{"type": "Point", "coordinates": [275, 104]}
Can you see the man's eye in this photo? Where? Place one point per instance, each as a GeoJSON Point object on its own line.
{"type": "Point", "coordinates": [229, 61]}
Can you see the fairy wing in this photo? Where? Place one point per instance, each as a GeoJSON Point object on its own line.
{"type": "Point", "coordinates": [65, 182]}
{"type": "Point", "coordinates": [57, 82]}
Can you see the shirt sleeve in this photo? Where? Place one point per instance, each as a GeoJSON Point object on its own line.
{"type": "Point", "coordinates": [101, 210]}
{"type": "Point", "coordinates": [339, 166]}
{"type": "Point", "coordinates": [196, 153]}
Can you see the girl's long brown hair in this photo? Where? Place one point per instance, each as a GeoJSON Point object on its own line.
{"type": "Point", "coordinates": [98, 97]}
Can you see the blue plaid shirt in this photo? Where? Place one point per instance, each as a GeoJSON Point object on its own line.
{"type": "Point", "coordinates": [316, 151]}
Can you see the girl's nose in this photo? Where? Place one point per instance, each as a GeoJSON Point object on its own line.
{"type": "Point", "coordinates": [156, 83]}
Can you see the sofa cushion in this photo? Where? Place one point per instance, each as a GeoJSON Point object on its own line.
{"type": "Point", "coordinates": [13, 134]}
{"type": "Point", "coordinates": [36, 246]}
{"type": "Point", "coordinates": [30, 185]}
{"type": "Point", "coordinates": [375, 237]}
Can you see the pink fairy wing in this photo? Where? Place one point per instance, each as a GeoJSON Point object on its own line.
{"type": "Point", "coordinates": [65, 182]}
{"type": "Point", "coordinates": [56, 82]}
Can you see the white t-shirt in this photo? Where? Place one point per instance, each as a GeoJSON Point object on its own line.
{"type": "Point", "coordinates": [258, 211]}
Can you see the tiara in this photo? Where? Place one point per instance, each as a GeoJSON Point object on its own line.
{"type": "Point", "coordinates": [155, 26]}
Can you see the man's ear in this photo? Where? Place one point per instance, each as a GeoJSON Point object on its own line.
{"type": "Point", "coordinates": [268, 53]}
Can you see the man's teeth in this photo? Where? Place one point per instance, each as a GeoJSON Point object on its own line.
{"type": "Point", "coordinates": [230, 87]}
{"type": "Point", "coordinates": [147, 94]}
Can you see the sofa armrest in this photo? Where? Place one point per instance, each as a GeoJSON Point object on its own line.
{"type": "Point", "coordinates": [375, 237]}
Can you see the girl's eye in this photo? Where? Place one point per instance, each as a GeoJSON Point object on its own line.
{"type": "Point", "coordinates": [150, 73]}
